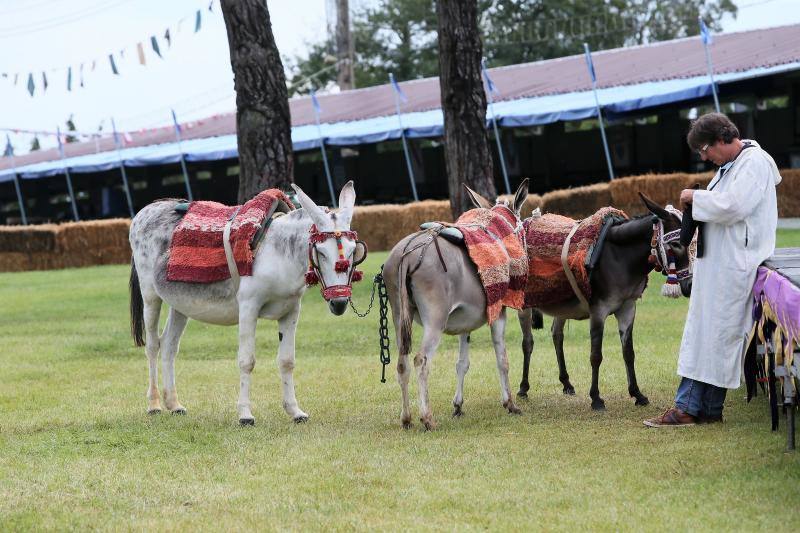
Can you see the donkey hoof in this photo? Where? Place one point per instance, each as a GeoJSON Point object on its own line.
{"type": "Point", "coordinates": [598, 405]}
{"type": "Point", "coordinates": [569, 390]}
{"type": "Point", "coordinates": [522, 394]}
{"type": "Point", "coordinates": [513, 409]}
{"type": "Point", "coordinates": [457, 412]}
{"type": "Point", "coordinates": [642, 400]}
{"type": "Point", "coordinates": [247, 421]}
{"type": "Point", "coordinates": [406, 423]}
{"type": "Point", "coordinates": [300, 419]}
{"type": "Point", "coordinates": [428, 422]}
{"type": "Point", "coordinates": [179, 411]}
{"type": "Point", "coordinates": [156, 411]}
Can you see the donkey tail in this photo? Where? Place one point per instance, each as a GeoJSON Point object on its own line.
{"type": "Point", "coordinates": [405, 319]}
{"type": "Point", "coordinates": [137, 307]}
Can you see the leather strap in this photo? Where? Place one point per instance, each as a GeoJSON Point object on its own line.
{"type": "Point", "coordinates": [226, 244]}
{"type": "Point", "coordinates": [568, 271]}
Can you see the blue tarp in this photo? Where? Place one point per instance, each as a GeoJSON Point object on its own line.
{"type": "Point", "coordinates": [616, 101]}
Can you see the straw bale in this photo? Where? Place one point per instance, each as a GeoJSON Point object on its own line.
{"type": "Point", "coordinates": [79, 237]}
{"type": "Point", "coordinates": [382, 226]}
{"type": "Point", "coordinates": [14, 262]}
{"type": "Point", "coordinates": [789, 193]}
{"type": "Point", "coordinates": [578, 202]}
{"type": "Point", "coordinates": [32, 238]}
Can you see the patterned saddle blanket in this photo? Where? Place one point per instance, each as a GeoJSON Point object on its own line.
{"type": "Point", "coordinates": [196, 253]}
{"type": "Point", "coordinates": [547, 283]}
{"type": "Point", "coordinates": [498, 254]}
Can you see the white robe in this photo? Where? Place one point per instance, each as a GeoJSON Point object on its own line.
{"type": "Point", "coordinates": [741, 217]}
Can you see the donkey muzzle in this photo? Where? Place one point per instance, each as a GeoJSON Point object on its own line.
{"type": "Point", "coordinates": [338, 305]}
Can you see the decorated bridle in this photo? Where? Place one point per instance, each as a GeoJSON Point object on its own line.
{"type": "Point", "coordinates": [662, 258]}
{"type": "Point", "coordinates": [314, 276]}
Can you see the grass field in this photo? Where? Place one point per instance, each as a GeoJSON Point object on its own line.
{"type": "Point", "coordinates": [77, 450]}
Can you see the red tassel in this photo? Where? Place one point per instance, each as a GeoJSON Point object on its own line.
{"type": "Point", "coordinates": [342, 265]}
{"type": "Point", "coordinates": [311, 278]}
{"type": "Point", "coordinates": [357, 275]}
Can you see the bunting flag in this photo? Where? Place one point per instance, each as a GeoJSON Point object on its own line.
{"type": "Point", "coordinates": [175, 122]}
{"type": "Point", "coordinates": [154, 44]}
{"type": "Point", "coordinates": [9, 151]}
{"type": "Point", "coordinates": [124, 53]}
{"type": "Point", "coordinates": [589, 63]}
{"type": "Point", "coordinates": [489, 83]}
{"type": "Point", "coordinates": [705, 34]}
{"type": "Point", "coordinates": [60, 146]}
{"type": "Point", "coordinates": [397, 89]}
{"type": "Point", "coordinates": [315, 102]}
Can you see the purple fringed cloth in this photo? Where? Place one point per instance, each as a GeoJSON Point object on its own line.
{"type": "Point", "coordinates": [776, 299]}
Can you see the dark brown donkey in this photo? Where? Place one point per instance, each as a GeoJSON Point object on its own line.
{"type": "Point", "coordinates": [617, 281]}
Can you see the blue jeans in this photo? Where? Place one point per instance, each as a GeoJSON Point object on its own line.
{"type": "Point", "coordinates": [700, 399]}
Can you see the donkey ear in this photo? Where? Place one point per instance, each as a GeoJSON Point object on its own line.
{"type": "Point", "coordinates": [477, 199]}
{"type": "Point", "coordinates": [521, 195]}
{"type": "Point", "coordinates": [654, 208]}
{"type": "Point", "coordinates": [317, 215]}
{"type": "Point", "coordinates": [347, 199]}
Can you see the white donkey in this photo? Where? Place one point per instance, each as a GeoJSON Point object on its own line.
{"type": "Point", "coordinates": [307, 236]}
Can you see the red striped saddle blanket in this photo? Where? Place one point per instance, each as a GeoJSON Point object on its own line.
{"type": "Point", "coordinates": [196, 253]}
{"type": "Point", "coordinates": [545, 236]}
{"type": "Point", "coordinates": [498, 254]}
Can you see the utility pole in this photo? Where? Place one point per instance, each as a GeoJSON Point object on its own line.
{"type": "Point", "coordinates": [344, 46]}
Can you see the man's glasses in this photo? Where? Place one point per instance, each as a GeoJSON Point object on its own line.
{"type": "Point", "coordinates": [704, 149]}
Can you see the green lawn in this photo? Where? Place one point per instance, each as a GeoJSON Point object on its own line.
{"type": "Point", "coordinates": [77, 450]}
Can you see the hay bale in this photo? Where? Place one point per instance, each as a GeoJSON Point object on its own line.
{"type": "Point", "coordinates": [34, 238]}
{"type": "Point", "coordinates": [578, 202]}
{"type": "Point", "coordinates": [382, 226]}
{"type": "Point", "coordinates": [14, 262]}
{"type": "Point", "coordinates": [789, 193]}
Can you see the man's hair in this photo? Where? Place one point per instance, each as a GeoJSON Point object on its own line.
{"type": "Point", "coordinates": [711, 128]}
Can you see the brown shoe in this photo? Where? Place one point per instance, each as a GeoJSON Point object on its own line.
{"type": "Point", "coordinates": [672, 417]}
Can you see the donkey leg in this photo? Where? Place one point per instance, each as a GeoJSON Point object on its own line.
{"type": "Point", "coordinates": [625, 318]}
{"type": "Point", "coordinates": [498, 339]}
{"type": "Point", "coordinates": [596, 325]}
{"type": "Point", "coordinates": [526, 324]}
{"type": "Point", "coordinates": [152, 310]}
{"type": "Point", "coordinates": [462, 365]}
{"type": "Point", "coordinates": [170, 343]}
{"type": "Point", "coordinates": [558, 342]}
{"type": "Point", "coordinates": [287, 326]}
{"type": "Point", "coordinates": [248, 317]}
{"type": "Point", "coordinates": [431, 337]}
{"type": "Point", "coordinates": [403, 374]}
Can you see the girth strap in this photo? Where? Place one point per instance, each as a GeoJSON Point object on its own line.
{"type": "Point", "coordinates": [226, 244]}
{"type": "Point", "coordinates": [568, 271]}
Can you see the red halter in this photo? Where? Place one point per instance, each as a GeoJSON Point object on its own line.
{"type": "Point", "coordinates": [342, 265]}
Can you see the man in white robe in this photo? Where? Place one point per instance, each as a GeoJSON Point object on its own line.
{"type": "Point", "coordinates": [738, 214]}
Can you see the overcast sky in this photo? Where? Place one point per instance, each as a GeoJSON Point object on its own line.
{"type": "Point", "coordinates": [194, 77]}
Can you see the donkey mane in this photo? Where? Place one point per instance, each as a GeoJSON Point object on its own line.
{"type": "Point", "coordinates": [631, 230]}
{"type": "Point", "coordinates": [289, 233]}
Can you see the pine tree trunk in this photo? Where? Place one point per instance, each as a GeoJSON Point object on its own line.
{"type": "Point", "coordinates": [466, 140]}
{"type": "Point", "coordinates": [263, 123]}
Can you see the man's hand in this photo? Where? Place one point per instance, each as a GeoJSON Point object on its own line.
{"type": "Point", "coordinates": [687, 195]}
